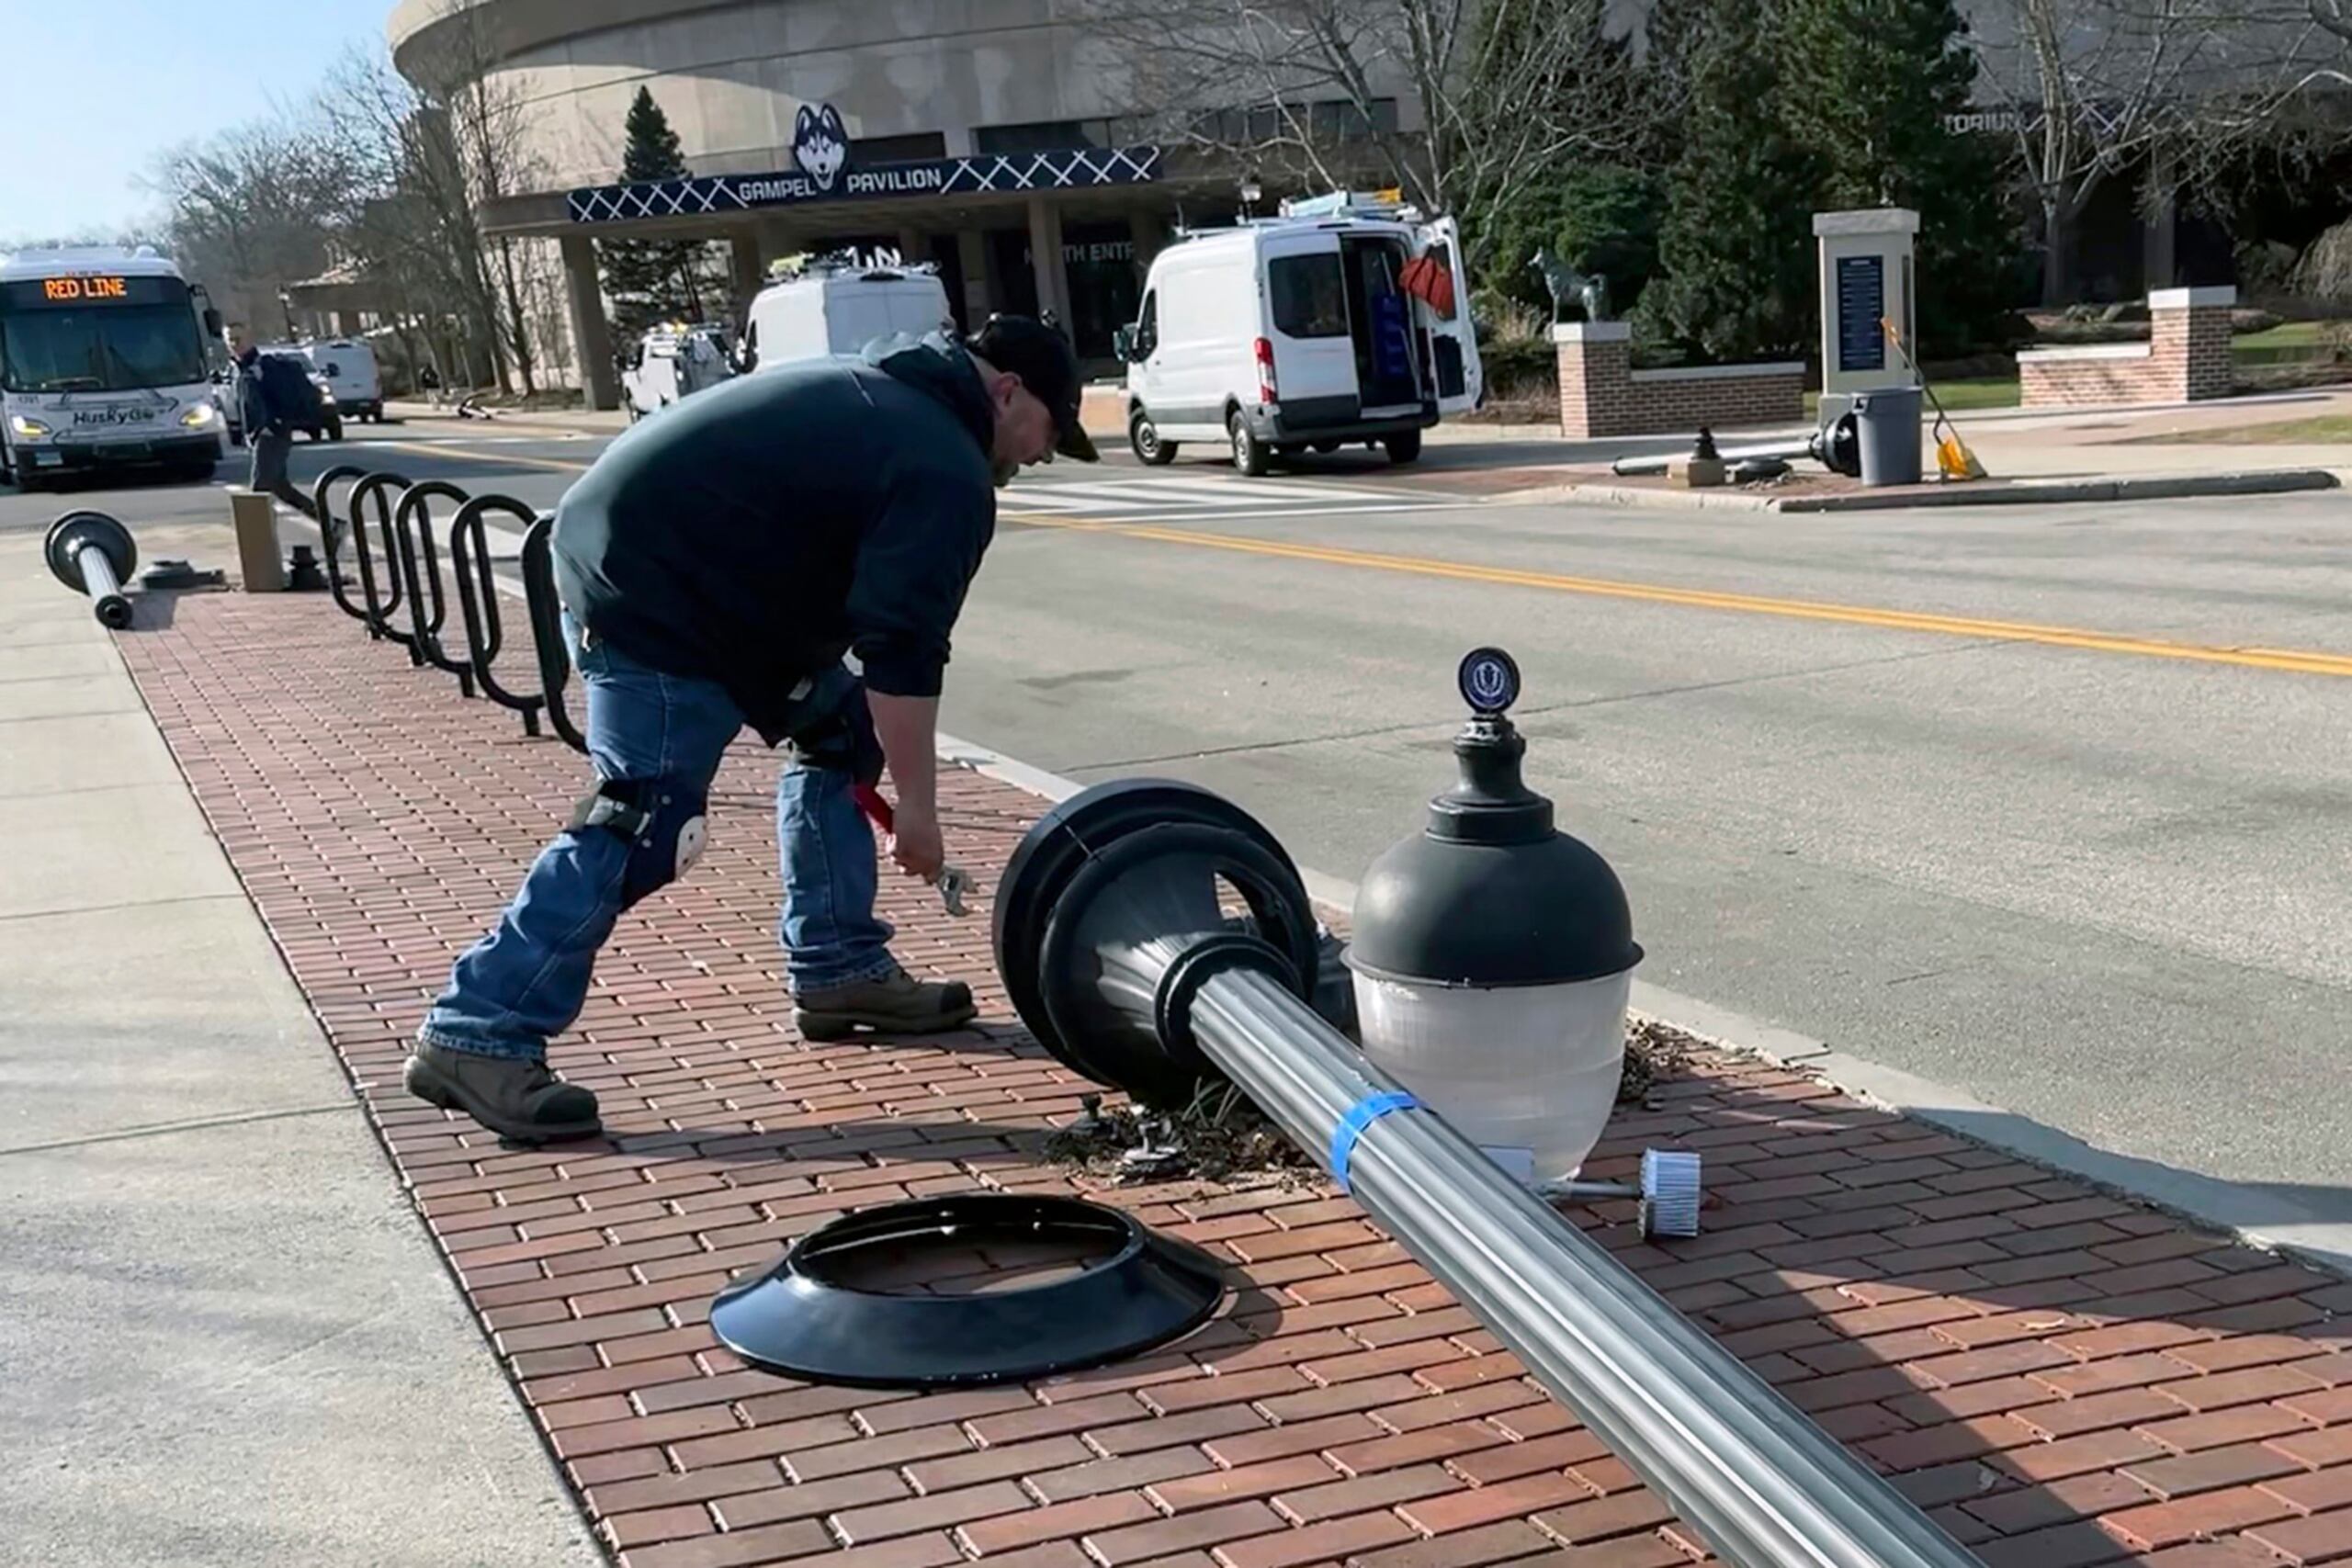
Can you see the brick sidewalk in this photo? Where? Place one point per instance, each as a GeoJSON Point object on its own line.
{"type": "Point", "coordinates": [2060, 1378]}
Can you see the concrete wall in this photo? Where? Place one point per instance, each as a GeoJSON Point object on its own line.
{"type": "Point", "coordinates": [731, 77]}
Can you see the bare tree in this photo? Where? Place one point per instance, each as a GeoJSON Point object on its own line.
{"type": "Point", "coordinates": [488, 125]}
{"type": "Point", "coordinates": [249, 209]}
{"type": "Point", "coordinates": [1458, 103]}
{"type": "Point", "coordinates": [436, 154]}
{"type": "Point", "coordinates": [130, 236]}
{"type": "Point", "coordinates": [2329, 62]}
{"type": "Point", "coordinates": [2097, 90]}
{"type": "Point", "coordinates": [408, 222]}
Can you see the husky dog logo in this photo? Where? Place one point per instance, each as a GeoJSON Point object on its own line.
{"type": "Point", "coordinates": [820, 144]}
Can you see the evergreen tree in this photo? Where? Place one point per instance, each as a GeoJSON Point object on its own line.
{"type": "Point", "coordinates": [1881, 78]}
{"type": "Point", "coordinates": [653, 281]}
{"type": "Point", "coordinates": [1735, 254]}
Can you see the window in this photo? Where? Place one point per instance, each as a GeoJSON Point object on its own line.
{"type": "Point", "coordinates": [1339, 119]}
{"type": "Point", "coordinates": [1325, 122]}
{"type": "Point", "coordinates": [1037, 136]}
{"type": "Point", "coordinates": [106, 348]}
{"type": "Point", "coordinates": [1309, 297]}
{"type": "Point", "coordinates": [1147, 327]}
{"type": "Point", "coordinates": [900, 149]}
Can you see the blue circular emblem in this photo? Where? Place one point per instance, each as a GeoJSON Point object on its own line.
{"type": "Point", "coordinates": [1488, 680]}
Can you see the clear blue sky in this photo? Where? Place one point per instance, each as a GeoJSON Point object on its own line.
{"type": "Point", "coordinates": [95, 88]}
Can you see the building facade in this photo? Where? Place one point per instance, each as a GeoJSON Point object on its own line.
{"type": "Point", "coordinates": [992, 139]}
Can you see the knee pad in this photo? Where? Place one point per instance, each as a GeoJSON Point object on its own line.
{"type": "Point", "coordinates": [663, 820]}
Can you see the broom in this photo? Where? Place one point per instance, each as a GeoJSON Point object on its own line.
{"type": "Point", "coordinates": [1954, 459]}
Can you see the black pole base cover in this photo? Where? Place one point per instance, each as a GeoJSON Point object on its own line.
{"type": "Point", "coordinates": [75, 531]}
{"type": "Point", "coordinates": [1103, 898]}
{"type": "Point", "coordinates": [799, 1318]}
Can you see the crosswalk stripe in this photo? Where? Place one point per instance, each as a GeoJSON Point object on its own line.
{"type": "Point", "coordinates": [1225, 492]}
{"type": "Point", "coordinates": [1206, 495]}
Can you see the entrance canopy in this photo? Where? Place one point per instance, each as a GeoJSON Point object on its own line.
{"type": "Point", "coordinates": [925, 193]}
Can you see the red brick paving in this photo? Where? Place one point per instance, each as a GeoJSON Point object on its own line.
{"type": "Point", "coordinates": [2059, 1377]}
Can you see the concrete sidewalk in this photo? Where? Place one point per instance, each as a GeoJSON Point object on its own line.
{"type": "Point", "coordinates": [226, 1339]}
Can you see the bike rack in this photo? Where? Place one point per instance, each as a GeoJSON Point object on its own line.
{"type": "Point", "coordinates": [419, 565]}
{"type": "Point", "coordinates": [547, 630]}
{"type": "Point", "coordinates": [323, 502]}
{"type": "Point", "coordinates": [478, 600]}
{"type": "Point", "coordinates": [380, 605]}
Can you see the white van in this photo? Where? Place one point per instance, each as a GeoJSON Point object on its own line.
{"type": "Point", "coordinates": [671, 363]}
{"type": "Point", "coordinates": [839, 309]}
{"type": "Point", "coordinates": [1303, 331]}
{"type": "Point", "coordinates": [348, 367]}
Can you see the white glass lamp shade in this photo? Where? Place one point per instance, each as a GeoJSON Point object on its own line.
{"type": "Point", "coordinates": [1529, 1073]}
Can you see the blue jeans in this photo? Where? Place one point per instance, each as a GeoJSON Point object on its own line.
{"type": "Point", "coordinates": [525, 982]}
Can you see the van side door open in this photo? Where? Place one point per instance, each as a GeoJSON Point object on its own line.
{"type": "Point", "coordinates": [1441, 314]}
{"type": "Point", "coordinates": [1390, 367]}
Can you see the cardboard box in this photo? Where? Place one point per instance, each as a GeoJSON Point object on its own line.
{"type": "Point", "coordinates": [260, 563]}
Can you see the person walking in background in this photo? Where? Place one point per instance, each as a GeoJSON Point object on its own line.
{"type": "Point", "coordinates": [274, 395]}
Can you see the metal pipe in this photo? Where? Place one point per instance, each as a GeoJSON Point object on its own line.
{"type": "Point", "coordinates": [478, 600]}
{"type": "Point", "coordinates": [1767, 1488]}
{"type": "Point", "coordinates": [1628, 466]}
{"type": "Point", "coordinates": [98, 580]}
{"type": "Point", "coordinates": [546, 612]}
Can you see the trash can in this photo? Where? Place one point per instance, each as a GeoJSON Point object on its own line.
{"type": "Point", "coordinates": [1887, 422]}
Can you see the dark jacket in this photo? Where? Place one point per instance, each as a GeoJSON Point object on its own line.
{"type": "Point", "coordinates": [751, 534]}
{"type": "Point", "coordinates": [254, 411]}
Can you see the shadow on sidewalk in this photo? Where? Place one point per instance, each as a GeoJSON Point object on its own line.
{"type": "Point", "coordinates": [2024, 1356]}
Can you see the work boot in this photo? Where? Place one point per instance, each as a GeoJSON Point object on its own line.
{"type": "Point", "coordinates": [515, 1097]}
{"type": "Point", "coordinates": [896, 1003]}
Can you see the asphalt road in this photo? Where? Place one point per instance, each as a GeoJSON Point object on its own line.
{"type": "Point", "coordinates": [2045, 803]}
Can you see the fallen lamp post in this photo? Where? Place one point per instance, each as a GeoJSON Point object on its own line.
{"type": "Point", "coordinates": [1116, 952]}
{"type": "Point", "coordinates": [93, 554]}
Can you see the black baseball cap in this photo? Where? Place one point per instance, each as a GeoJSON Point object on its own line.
{"type": "Point", "coordinates": [1041, 357]}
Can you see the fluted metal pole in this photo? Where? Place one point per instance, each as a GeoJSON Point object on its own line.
{"type": "Point", "coordinates": [1767, 1488]}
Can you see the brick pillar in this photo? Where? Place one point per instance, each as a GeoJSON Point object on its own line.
{"type": "Point", "coordinates": [1596, 377]}
{"type": "Point", "coordinates": [2188, 342]}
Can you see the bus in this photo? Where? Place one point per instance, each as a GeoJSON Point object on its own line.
{"type": "Point", "coordinates": [104, 365]}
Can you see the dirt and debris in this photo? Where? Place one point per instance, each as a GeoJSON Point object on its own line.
{"type": "Point", "coordinates": [1655, 1054]}
{"type": "Point", "coordinates": [1222, 1134]}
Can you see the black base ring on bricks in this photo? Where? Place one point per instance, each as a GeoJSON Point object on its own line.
{"type": "Point", "coordinates": [79, 531]}
{"type": "Point", "coordinates": [799, 1318]}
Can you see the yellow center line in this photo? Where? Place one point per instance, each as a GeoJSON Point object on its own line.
{"type": "Point", "coordinates": [451, 449]}
{"type": "Point", "coordinates": [2298, 662]}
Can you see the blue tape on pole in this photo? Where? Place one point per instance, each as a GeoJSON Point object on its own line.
{"type": "Point", "coordinates": [1362, 1114]}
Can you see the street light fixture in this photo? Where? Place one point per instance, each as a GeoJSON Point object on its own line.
{"type": "Point", "coordinates": [1251, 194]}
{"type": "Point", "coordinates": [1493, 955]}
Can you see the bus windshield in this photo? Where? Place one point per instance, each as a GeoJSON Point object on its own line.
{"type": "Point", "coordinates": [106, 349]}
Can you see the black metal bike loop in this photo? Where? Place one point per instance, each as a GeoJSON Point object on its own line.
{"type": "Point", "coordinates": [547, 630]}
{"type": "Point", "coordinates": [331, 536]}
{"type": "Point", "coordinates": [420, 562]}
{"type": "Point", "coordinates": [470, 560]}
{"type": "Point", "coordinates": [381, 602]}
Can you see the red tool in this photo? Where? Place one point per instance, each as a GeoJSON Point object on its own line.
{"type": "Point", "coordinates": [952, 882]}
